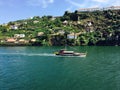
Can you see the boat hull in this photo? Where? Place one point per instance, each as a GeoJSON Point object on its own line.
{"type": "Point", "coordinates": [74, 54]}
{"type": "Point", "coordinates": [70, 53]}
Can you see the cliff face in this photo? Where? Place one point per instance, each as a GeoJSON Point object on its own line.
{"type": "Point", "coordinates": [78, 28]}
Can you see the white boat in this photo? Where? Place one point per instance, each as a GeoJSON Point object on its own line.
{"type": "Point", "coordinates": [64, 52]}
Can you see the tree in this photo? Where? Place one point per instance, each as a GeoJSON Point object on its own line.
{"type": "Point", "coordinates": [3, 29]}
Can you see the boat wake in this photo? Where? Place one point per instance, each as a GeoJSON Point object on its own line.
{"type": "Point", "coordinates": [28, 54]}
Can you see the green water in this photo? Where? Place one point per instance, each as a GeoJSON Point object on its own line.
{"type": "Point", "coordinates": [36, 68]}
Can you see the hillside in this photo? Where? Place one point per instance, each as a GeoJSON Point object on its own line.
{"type": "Point", "coordinates": [80, 27]}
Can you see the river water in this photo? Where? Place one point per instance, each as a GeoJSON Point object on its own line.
{"type": "Point", "coordinates": [37, 68]}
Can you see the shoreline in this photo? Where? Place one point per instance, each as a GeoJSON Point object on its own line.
{"type": "Point", "coordinates": [29, 44]}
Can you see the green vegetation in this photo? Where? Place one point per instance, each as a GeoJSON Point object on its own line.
{"type": "Point", "coordinates": [89, 28]}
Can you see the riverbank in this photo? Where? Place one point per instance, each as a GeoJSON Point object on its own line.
{"type": "Point", "coordinates": [13, 44]}
{"type": "Point", "coordinates": [101, 43]}
{"type": "Point", "coordinates": [96, 28]}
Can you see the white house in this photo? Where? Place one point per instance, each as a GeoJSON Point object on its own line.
{"type": "Point", "coordinates": [14, 27]}
{"type": "Point", "coordinates": [89, 23]}
{"type": "Point", "coordinates": [65, 22]}
{"type": "Point", "coordinates": [33, 40]}
{"type": "Point", "coordinates": [19, 35]}
{"type": "Point", "coordinates": [72, 36]}
{"type": "Point", "coordinates": [35, 21]}
{"type": "Point", "coordinates": [40, 33]}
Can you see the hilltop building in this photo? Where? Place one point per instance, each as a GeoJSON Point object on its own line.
{"type": "Point", "coordinates": [98, 9]}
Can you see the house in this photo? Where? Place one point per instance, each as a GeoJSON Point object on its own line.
{"type": "Point", "coordinates": [40, 33]}
{"type": "Point", "coordinates": [35, 21]}
{"type": "Point", "coordinates": [19, 35]}
{"type": "Point", "coordinates": [78, 22]}
{"type": "Point", "coordinates": [25, 22]}
{"type": "Point", "coordinates": [88, 9]}
{"type": "Point", "coordinates": [23, 41]}
{"type": "Point", "coordinates": [33, 40]}
{"type": "Point", "coordinates": [89, 23]}
{"type": "Point", "coordinates": [14, 27]}
{"type": "Point", "coordinates": [99, 9]}
{"type": "Point", "coordinates": [73, 35]}
{"type": "Point", "coordinates": [65, 22]}
{"type": "Point", "coordinates": [89, 26]}
{"type": "Point", "coordinates": [11, 40]}
{"type": "Point", "coordinates": [2, 41]}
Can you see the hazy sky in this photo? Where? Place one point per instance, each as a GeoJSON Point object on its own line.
{"type": "Point", "coordinates": [11, 10]}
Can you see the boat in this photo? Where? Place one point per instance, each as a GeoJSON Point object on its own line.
{"type": "Point", "coordinates": [64, 52]}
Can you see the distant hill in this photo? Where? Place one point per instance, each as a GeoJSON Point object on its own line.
{"type": "Point", "coordinates": [91, 26]}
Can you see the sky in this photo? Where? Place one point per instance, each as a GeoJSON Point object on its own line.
{"type": "Point", "coordinates": [12, 10]}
